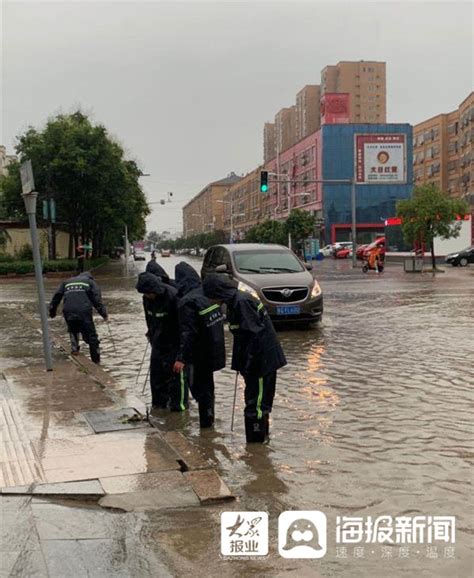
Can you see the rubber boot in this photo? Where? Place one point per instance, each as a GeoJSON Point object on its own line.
{"type": "Point", "coordinates": [74, 344]}
{"type": "Point", "coordinates": [266, 423]}
{"type": "Point", "coordinates": [206, 416]}
{"type": "Point", "coordinates": [95, 354]}
{"type": "Point", "coordinates": [255, 430]}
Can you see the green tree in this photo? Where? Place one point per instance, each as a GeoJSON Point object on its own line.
{"type": "Point", "coordinates": [96, 189]}
{"type": "Point", "coordinates": [428, 214]}
{"type": "Point", "coordinates": [300, 225]}
{"type": "Point", "coordinates": [267, 232]}
{"type": "Point", "coordinates": [153, 237]}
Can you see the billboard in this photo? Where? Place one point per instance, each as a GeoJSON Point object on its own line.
{"type": "Point", "coordinates": [380, 158]}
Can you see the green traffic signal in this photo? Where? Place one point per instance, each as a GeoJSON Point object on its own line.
{"type": "Point", "coordinates": [264, 188]}
{"type": "Point", "coordinates": [263, 181]}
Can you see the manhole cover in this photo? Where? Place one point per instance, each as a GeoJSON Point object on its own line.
{"type": "Point", "coordinates": [115, 420]}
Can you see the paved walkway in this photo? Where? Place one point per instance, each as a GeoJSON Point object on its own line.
{"type": "Point", "coordinates": [71, 461]}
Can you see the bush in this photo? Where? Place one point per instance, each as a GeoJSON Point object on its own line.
{"type": "Point", "coordinates": [6, 258]}
{"type": "Point", "coordinates": [59, 266]}
{"type": "Point", "coordinates": [25, 253]}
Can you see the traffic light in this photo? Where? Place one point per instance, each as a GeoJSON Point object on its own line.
{"type": "Point", "coordinates": [263, 181]}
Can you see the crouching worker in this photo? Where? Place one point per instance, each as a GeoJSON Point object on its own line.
{"type": "Point", "coordinates": [168, 389]}
{"type": "Point", "coordinates": [201, 328]}
{"type": "Point", "coordinates": [80, 294]}
{"type": "Point", "coordinates": [257, 353]}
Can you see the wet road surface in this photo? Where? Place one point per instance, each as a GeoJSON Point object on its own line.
{"type": "Point", "coordinates": [372, 417]}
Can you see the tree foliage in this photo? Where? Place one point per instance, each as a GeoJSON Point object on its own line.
{"type": "Point", "coordinates": [78, 164]}
{"type": "Point", "coordinates": [300, 224]}
{"type": "Point", "coordinates": [267, 232]}
{"type": "Point", "coordinates": [428, 214]}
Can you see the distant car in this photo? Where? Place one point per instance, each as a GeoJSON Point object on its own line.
{"type": "Point", "coordinates": [343, 254]}
{"type": "Point", "coordinates": [461, 258]}
{"type": "Point", "coordinates": [271, 273]}
{"type": "Point", "coordinates": [139, 255]}
{"type": "Point", "coordinates": [165, 252]}
{"type": "Point", "coordinates": [328, 250]}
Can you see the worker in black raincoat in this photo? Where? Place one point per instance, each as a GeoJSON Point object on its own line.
{"type": "Point", "coordinates": [168, 389]}
{"type": "Point", "coordinates": [80, 294]}
{"type": "Point", "coordinates": [157, 270]}
{"type": "Point", "coordinates": [201, 329]}
{"type": "Point", "coordinates": [257, 353]}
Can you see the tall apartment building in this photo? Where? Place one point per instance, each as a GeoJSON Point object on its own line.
{"type": "Point", "coordinates": [365, 81]}
{"type": "Point", "coordinates": [307, 111]}
{"type": "Point", "coordinates": [443, 151]}
{"type": "Point", "coordinates": [285, 128]}
{"type": "Point", "coordinates": [243, 205]}
{"type": "Point", "coordinates": [269, 141]}
{"type": "Point", "coordinates": [204, 213]}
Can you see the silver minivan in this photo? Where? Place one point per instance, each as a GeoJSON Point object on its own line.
{"type": "Point", "coordinates": [271, 273]}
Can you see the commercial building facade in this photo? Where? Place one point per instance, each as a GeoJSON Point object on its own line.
{"type": "Point", "coordinates": [243, 205]}
{"type": "Point", "coordinates": [378, 156]}
{"type": "Point", "coordinates": [443, 152]}
{"type": "Point", "coordinates": [204, 213]}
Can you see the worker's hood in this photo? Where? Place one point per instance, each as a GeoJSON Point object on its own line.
{"type": "Point", "coordinates": [219, 287]}
{"type": "Point", "coordinates": [157, 270]}
{"type": "Point", "coordinates": [186, 278]}
{"type": "Point", "coordinates": [149, 283]}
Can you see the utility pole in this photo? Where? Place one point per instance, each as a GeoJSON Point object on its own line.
{"type": "Point", "coordinates": [289, 205]}
{"type": "Point", "coordinates": [127, 250]}
{"type": "Point", "coordinates": [354, 223]}
{"type": "Point", "coordinates": [29, 197]}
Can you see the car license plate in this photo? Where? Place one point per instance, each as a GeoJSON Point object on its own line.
{"type": "Point", "coordinates": [289, 310]}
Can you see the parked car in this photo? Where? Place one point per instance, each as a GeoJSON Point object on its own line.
{"type": "Point", "coordinates": [328, 250]}
{"type": "Point", "coordinates": [139, 255]}
{"type": "Point", "coordinates": [165, 252]}
{"type": "Point", "coordinates": [271, 273]}
{"type": "Point", "coordinates": [461, 258]}
{"type": "Point", "coordinates": [343, 253]}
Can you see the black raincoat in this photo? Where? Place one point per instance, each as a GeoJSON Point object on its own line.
{"type": "Point", "coordinates": [80, 294]}
{"type": "Point", "coordinates": [157, 270]}
{"type": "Point", "coordinates": [201, 323]}
{"type": "Point", "coordinates": [256, 349]}
{"type": "Point", "coordinates": [161, 314]}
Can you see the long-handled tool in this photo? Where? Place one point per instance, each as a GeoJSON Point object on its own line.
{"type": "Point", "coordinates": [141, 364]}
{"type": "Point", "coordinates": [111, 336]}
{"type": "Point", "coordinates": [235, 397]}
{"type": "Point", "coordinates": [146, 380]}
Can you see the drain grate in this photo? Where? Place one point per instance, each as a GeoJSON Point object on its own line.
{"type": "Point", "coordinates": [115, 420]}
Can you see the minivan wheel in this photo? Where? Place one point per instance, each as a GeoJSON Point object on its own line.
{"type": "Point", "coordinates": [463, 262]}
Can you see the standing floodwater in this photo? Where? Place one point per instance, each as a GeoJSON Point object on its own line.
{"type": "Point", "coordinates": [372, 415]}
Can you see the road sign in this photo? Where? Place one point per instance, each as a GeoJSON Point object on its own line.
{"type": "Point", "coordinates": [26, 174]}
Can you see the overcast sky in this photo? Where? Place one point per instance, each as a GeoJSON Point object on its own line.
{"type": "Point", "coordinates": [187, 86]}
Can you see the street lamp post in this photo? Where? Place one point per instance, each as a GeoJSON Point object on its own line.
{"type": "Point", "coordinates": [30, 206]}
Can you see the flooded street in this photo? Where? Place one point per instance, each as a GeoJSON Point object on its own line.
{"type": "Point", "coordinates": [372, 416]}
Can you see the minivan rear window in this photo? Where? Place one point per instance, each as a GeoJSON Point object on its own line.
{"type": "Point", "coordinates": [267, 262]}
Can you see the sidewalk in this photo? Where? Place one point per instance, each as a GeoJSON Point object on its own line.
{"type": "Point", "coordinates": [72, 465]}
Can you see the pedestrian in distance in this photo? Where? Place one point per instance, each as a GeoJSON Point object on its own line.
{"type": "Point", "coordinates": [257, 353]}
{"type": "Point", "coordinates": [168, 389]}
{"type": "Point", "coordinates": [202, 346]}
{"type": "Point", "coordinates": [80, 294]}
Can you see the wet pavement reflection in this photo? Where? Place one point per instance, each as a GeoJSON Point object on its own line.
{"type": "Point", "coordinates": [372, 415]}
